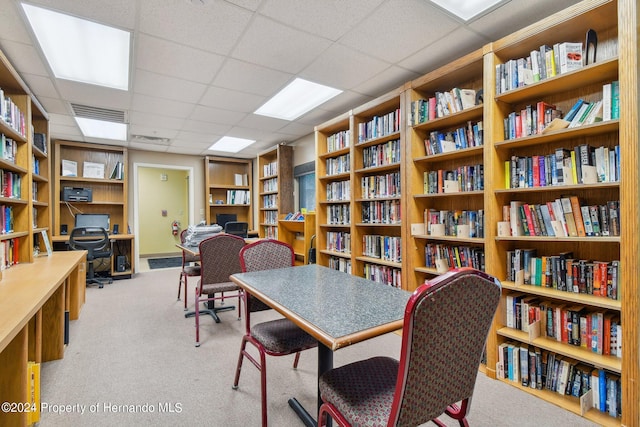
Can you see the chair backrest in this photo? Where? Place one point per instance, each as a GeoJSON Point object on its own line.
{"type": "Point", "coordinates": [94, 240]}
{"type": "Point", "coordinates": [222, 219]}
{"type": "Point", "coordinates": [446, 324]}
{"type": "Point", "coordinates": [264, 254]}
{"type": "Point", "coordinates": [220, 258]}
{"type": "Point", "coordinates": [238, 228]}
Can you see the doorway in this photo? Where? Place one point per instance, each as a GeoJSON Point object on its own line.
{"type": "Point", "coordinates": [163, 194]}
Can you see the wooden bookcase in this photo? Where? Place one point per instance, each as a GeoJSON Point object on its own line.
{"type": "Point", "coordinates": [42, 214]}
{"type": "Point", "coordinates": [456, 208]}
{"type": "Point", "coordinates": [109, 192]}
{"type": "Point", "coordinates": [275, 171]}
{"type": "Point", "coordinates": [228, 184]}
{"type": "Point", "coordinates": [334, 140]}
{"type": "Point", "coordinates": [28, 217]}
{"type": "Point", "coordinates": [299, 235]}
{"type": "Point", "coordinates": [616, 40]}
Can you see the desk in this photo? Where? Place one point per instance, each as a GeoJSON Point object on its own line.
{"type": "Point", "coordinates": [336, 308]}
{"type": "Point", "coordinates": [121, 245]}
{"type": "Point", "coordinates": [33, 300]}
{"type": "Point", "coordinates": [195, 250]}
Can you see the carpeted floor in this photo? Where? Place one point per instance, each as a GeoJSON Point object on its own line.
{"type": "Point", "coordinates": [155, 263]}
{"type": "Point", "coordinates": [131, 361]}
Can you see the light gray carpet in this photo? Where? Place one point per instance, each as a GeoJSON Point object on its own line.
{"type": "Point", "coordinates": [133, 346]}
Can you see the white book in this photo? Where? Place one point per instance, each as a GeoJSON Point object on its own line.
{"type": "Point", "coordinates": [570, 56]}
{"type": "Point", "coordinates": [606, 102]}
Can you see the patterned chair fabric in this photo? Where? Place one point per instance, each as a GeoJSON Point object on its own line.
{"type": "Point", "coordinates": [276, 337]}
{"type": "Point", "coordinates": [190, 268]}
{"type": "Point", "coordinates": [445, 328]}
{"type": "Point", "coordinates": [219, 258]}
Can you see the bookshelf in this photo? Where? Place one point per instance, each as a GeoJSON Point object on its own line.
{"type": "Point", "coordinates": [437, 143]}
{"type": "Point", "coordinates": [299, 234]}
{"type": "Point", "coordinates": [376, 183]}
{"type": "Point", "coordinates": [22, 115]}
{"type": "Point", "coordinates": [228, 188]}
{"type": "Point", "coordinates": [506, 154]}
{"type": "Point", "coordinates": [102, 169]}
{"type": "Point", "coordinates": [275, 169]}
{"type": "Point", "coordinates": [42, 214]}
{"type": "Point", "coordinates": [334, 140]}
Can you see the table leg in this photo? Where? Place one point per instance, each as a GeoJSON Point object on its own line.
{"type": "Point", "coordinates": [325, 363]}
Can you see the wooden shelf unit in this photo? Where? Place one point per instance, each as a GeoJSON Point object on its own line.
{"type": "Point", "coordinates": [463, 73]}
{"type": "Point", "coordinates": [299, 235]}
{"type": "Point", "coordinates": [109, 196]}
{"type": "Point", "coordinates": [29, 217]}
{"type": "Point", "coordinates": [275, 171]}
{"type": "Point", "coordinates": [220, 185]}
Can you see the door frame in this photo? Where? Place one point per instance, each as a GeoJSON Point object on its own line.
{"type": "Point", "coordinates": [190, 196]}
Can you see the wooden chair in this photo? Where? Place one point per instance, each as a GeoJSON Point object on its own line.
{"type": "Point", "coordinates": [445, 328]}
{"type": "Point", "coordinates": [219, 259]}
{"type": "Point", "coordinates": [190, 268]}
{"type": "Point", "coordinates": [279, 337]}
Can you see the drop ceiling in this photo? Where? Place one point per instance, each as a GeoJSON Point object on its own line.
{"type": "Point", "coordinates": [201, 67]}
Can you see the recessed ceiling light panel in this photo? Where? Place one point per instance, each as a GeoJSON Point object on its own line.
{"type": "Point", "coordinates": [466, 9]}
{"type": "Point", "coordinates": [231, 144]}
{"type": "Point", "coordinates": [102, 129]}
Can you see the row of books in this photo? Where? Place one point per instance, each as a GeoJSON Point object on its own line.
{"type": "Point", "coordinates": [388, 248]}
{"type": "Point", "coordinates": [582, 165]}
{"type": "Point", "coordinates": [271, 217]}
{"type": "Point", "coordinates": [11, 184]}
{"type": "Point", "coordinates": [340, 264]}
{"type": "Point", "coordinates": [545, 370]}
{"type": "Point", "coordinates": [34, 191]}
{"type": "Point", "coordinates": [541, 64]}
{"type": "Point", "coordinates": [379, 126]}
{"type": "Point", "coordinates": [270, 232]}
{"type": "Point", "coordinates": [563, 217]}
{"type": "Point", "coordinates": [36, 165]}
{"type": "Point", "coordinates": [294, 216]}
{"type": "Point", "coordinates": [441, 104]}
{"type": "Point", "coordinates": [339, 214]}
{"type": "Point", "coordinates": [339, 241]}
{"type": "Point", "coordinates": [238, 197]}
{"type": "Point", "coordinates": [117, 172]}
{"type": "Point", "coordinates": [9, 253]}
{"type": "Point", "coordinates": [446, 257]}
{"type": "Point", "coordinates": [564, 273]}
{"type": "Point", "coordinates": [6, 219]}
{"type": "Point", "coordinates": [270, 201]}
{"type": "Point", "coordinates": [382, 154]}
{"type": "Point", "coordinates": [339, 191]}
{"type": "Point", "coordinates": [270, 184]}
{"type": "Point", "coordinates": [338, 140]}
{"type": "Point", "coordinates": [12, 115]}
{"type": "Point", "coordinates": [530, 120]}
{"type": "Point", "coordinates": [338, 165]}
{"type": "Point", "coordinates": [8, 148]}
{"type": "Point", "coordinates": [383, 274]}
{"type": "Point", "coordinates": [463, 178]}
{"type": "Point", "coordinates": [598, 331]}
{"type": "Point", "coordinates": [270, 169]}
{"type": "Point", "coordinates": [460, 138]}
{"type": "Point", "coordinates": [452, 219]}
{"type": "Point", "coordinates": [376, 186]}
{"type": "Point", "coordinates": [381, 212]}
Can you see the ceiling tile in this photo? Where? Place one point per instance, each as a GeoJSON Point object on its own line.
{"type": "Point", "coordinates": [117, 13]}
{"type": "Point", "coordinates": [216, 115]}
{"type": "Point", "coordinates": [389, 79]}
{"type": "Point", "coordinates": [24, 58]}
{"type": "Point", "coordinates": [159, 106]}
{"type": "Point", "coordinates": [251, 78]}
{"type": "Point", "coordinates": [206, 127]}
{"type": "Point", "coordinates": [96, 96]}
{"type": "Point", "coordinates": [233, 100]}
{"type": "Point", "coordinates": [156, 120]}
{"type": "Point", "coordinates": [173, 88]}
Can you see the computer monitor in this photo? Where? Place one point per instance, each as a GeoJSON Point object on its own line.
{"type": "Point", "coordinates": [222, 219]}
{"type": "Point", "coordinates": [92, 220]}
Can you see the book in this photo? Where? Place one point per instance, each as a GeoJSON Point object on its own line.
{"type": "Point", "coordinates": [606, 102]}
{"type": "Point", "coordinates": [570, 54]}
{"type": "Point", "coordinates": [568, 216]}
{"type": "Point", "coordinates": [69, 168]}
{"type": "Point", "coordinates": [615, 100]}
{"type": "Point", "coordinates": [573, 111]}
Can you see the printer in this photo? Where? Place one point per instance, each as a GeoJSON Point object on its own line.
{"type": "Point", "coordinates": [76, 194]}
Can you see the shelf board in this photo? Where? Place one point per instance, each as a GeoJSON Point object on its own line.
{"type": "Point", "coordinates": [460, 117]}
{"type": "Point", "coordinates": [378, 140]}
{"type": "Point", "coordinates": [457, 154]}
{"type": "Point", "coordinates": [95, 202]}
{"type": "Point", "coordinates": [593, 239]}
{"type": "Point", "coordinates": [335, 153]}
{"type": "Point", "coordinates": [228, 187]}
{"type": "Point", "coordinates": [336, 177]}
{"type": "Point", "coordinates": [10, 166]}
{"type": "Point", "coordinates": [91, 180]}
{"type": "Point", "coordinates": [335, 225]}
{"type": "Point", "coordinates": [561, 188]}
{"type": "Point", "coordinates": [458, 194]}
{"type": "Point", "coordinates": [263, 178]}
{"type": "Point", "coordinates": [334, 202]}
{"type": "Point", "coordinates": [9, 132]}
{"type": "Point", "coordinates": [585, 299]}
{"type": "Point", "coordinates": [379, 199]}
{"type": "Point", "coordinates": [560, 135]}
{"type": "Point", "coordinates": [380, 261]}
{"type": "Point", "coordinates": [14, 235]}
{"type": "Point", "coordinates": [335, 253]}
{"type": "Point", "coordinates": [381, 168]}
{"type": "Point", "coordinates": [40, 204]}
{"type": "Point", "coordinates": [39, 178]}
{"type": "Point", "coordinates": [377, 224]}
{"type": "Point", "coordinates": [474, 240]}
{"type": "Point", "coordinates": [218, 205]}
{"type": "Point", "coordinates": [11, 200]}
{"type": "Point", "coordinates": [610, 363]}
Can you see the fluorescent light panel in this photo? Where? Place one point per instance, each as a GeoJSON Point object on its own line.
{"type": "Point", "coordinates": [231, 144]}
{"type": "Point", "coordinates": [297, 98]}
{"type": "Point", "coordinates": [102, 129]}
{"type": "Point", "coordinates": [81, 50]}
{"type": "Point", "coordinates": [466, 9]}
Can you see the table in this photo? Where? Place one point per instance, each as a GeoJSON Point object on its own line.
{"type": "Point", "coordinates": [336, 308]}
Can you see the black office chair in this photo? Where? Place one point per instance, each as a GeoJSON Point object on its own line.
{"type": "Point", "coordinates": [96, 242]}
{"type": "Point", "coordinates": [237, 228]}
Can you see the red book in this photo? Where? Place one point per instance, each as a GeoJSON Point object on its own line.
{"type": "Point", "coordinates": [530, 224]}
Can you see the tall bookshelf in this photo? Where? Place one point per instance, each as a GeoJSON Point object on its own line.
{"type": "Point", "coordinates": [440, 142]}
{"type": "Point", "coordinates": [378, 170]}
{"type": "Point", "coordinates": [42, 213]}
{"type": "Point", "coordinates": [608, 19]}
{"type": "Point", "coordinates": [299, 234]}
{"type": "Point", "coordinates": [275, 169]}
{"type": "Point", "coordinates": [102, 169]}
{"type": "Point", "coordinates": [228, 188]}
{"type": "Point", "coordinates": [23, 217]}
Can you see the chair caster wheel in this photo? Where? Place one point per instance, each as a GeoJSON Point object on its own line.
{"type": "Point", "coordinates": [234, 387]}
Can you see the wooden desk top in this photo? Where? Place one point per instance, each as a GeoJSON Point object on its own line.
{"type": "Point", "coordinates": [65, 238]}
{"type": "Point", "coordinates": [25, 288]}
